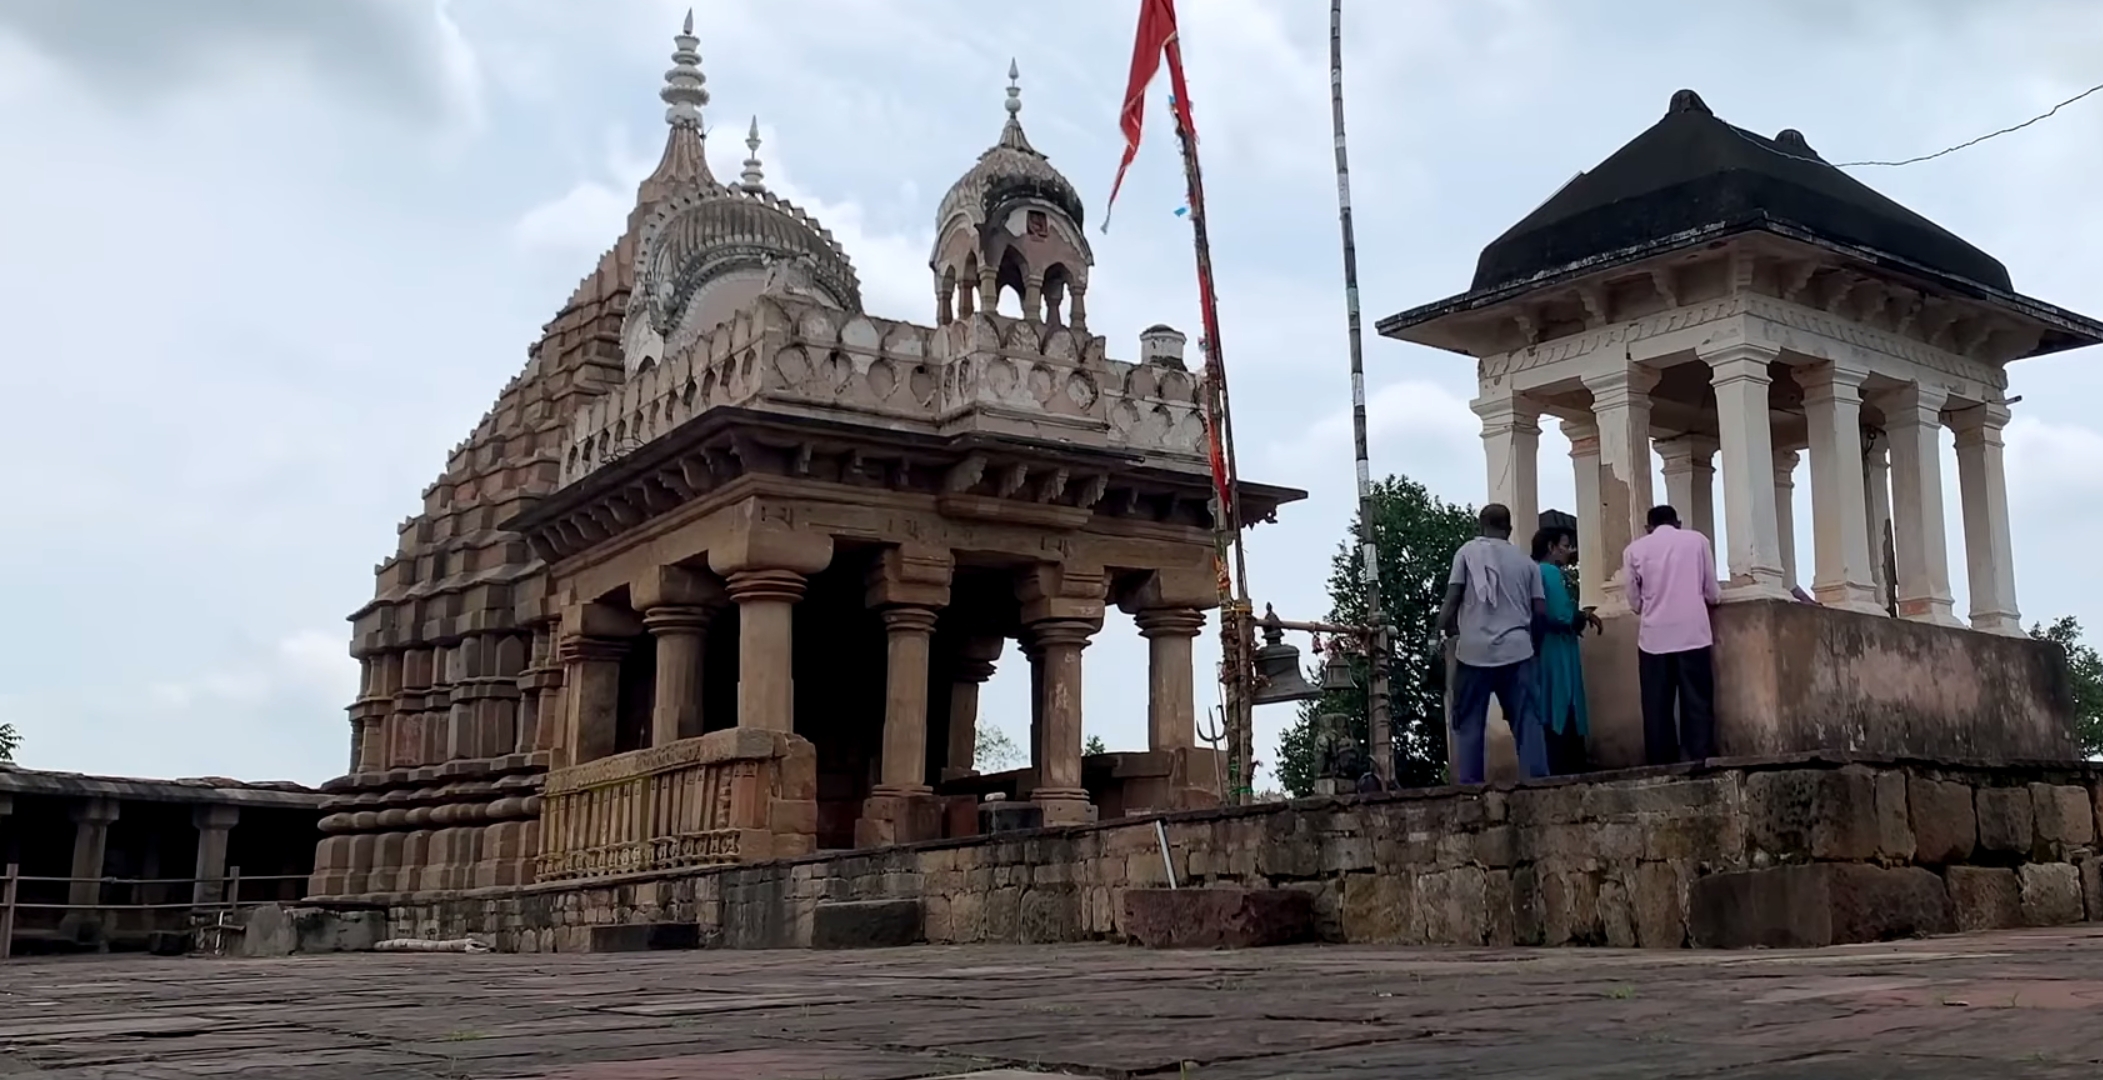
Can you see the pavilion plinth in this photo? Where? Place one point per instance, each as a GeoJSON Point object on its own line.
{"type": "Point", "coordinates": [1796, 678]}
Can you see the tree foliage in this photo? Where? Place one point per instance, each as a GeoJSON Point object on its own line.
{"type": "Point", "coordinates": [1417, 534]}
{"type": "Point", "coordinates": [992, 751]}
{"type": "Point", "coordinates": [1094, 745]}
{"type": "Point", "coordinates": [2085, 668]}
{"type": "Point", "coordinates": [9, 742]}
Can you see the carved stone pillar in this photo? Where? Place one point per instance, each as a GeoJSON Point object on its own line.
{"type": "Point", "coordinates": [1062, 607]}
{"type": "Point", "coordinates": [1077, 311]}
{"type": "Point", "coordinates": [910, 586]}
{"type": "Point", "coordinates": [1913, 420]}
{"type": "Point", "coordinates": [989, 289]}
{"type": "Point", "coordinates": [766, 601]}
{"type": "Point", "coordinates": [1989, 551]}
{"type": "Point", "coordinates": [1621, 409]}
{"type": "Point", "coordinates": [591, 672]}
{"type": "Point", "coordinates": [1033, 298]}
{"type": "Point", "coordinates": [373, 741]}
{"type": "Point", "coordinates": [1740, 375]}
{"type": "Point", "coordinates": [972, 667]}
{"type": "Point", "coordinates": [214, 824]}
{"type": "Point", "coordinates": [1584, 464]}
{"type": "Point", "coordinates": [1511, 445]}
{"type": "Point", "coordinates": [1171, 707]}
{"type": "Point", "coordinates": [680, 634]}
{"type": "Point", "coordinates": [1845, 577]}
{"type": "Point", "coordinates": [1785, 462]}
{"type": "Point", "coordinates": [945, 291]}
{"type": "Point", "coordinates": [1690, 480]}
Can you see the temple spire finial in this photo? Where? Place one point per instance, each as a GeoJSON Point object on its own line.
{"type": "Point", "coordinates": [1011, 135]}
{"type": "Point", "coordinates": [752, 179]}
{"type": "Point", "coordinates": [685, 87]}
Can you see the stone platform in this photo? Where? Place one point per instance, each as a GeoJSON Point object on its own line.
{"type": "Point", "coordinates": [2020, 1006]}
{"type": "Point", "coordinates": [1787, 852]}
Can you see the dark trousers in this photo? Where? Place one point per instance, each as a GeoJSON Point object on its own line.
{"type": "Point", "coordinates": [1686, 680]}
{"type": "Point", "coordinates": [1512, 686]}
{"type": "Point", "coordinates": [1566, 752]}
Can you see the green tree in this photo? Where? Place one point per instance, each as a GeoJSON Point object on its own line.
{"type": "Point", "coordinates": [992, 751]}
{"type": "Point", "coordinates": [1094, 745]}
{"type": "Point", "coordinates": [9, 742]}
{"type": "Point", "coordinates": [1417, 534]}
{"type": "Point", "coordinates": [2085, 668]}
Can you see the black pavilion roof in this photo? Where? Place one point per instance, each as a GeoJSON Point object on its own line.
{"type": "Point", "coordinates": [1693, 172]}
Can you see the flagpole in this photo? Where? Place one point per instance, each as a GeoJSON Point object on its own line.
{"type": "Point", "coordinates": [1379, 705]}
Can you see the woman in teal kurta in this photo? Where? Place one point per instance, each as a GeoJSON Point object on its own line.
{"type": "Point", "coordinates": [1560, 675]}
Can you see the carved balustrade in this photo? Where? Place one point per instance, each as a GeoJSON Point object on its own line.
{"type": "Point", "coordinates": [725, 797]}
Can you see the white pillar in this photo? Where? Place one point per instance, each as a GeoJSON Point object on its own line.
{"type": "Point", "coordinates": [1839, 500]}
{"type": "Point", "coordinates": [1785, 513]}
{"type": "Point", "coordinates": [1511, 445]}
{"type": "Point", "coordinates": [1621, 409]}
{"type": "Point", "coordinates": [1982, 482]}
{"type": "Point", "coordinates": [1584, 462]}
{"type": "Point", "coordinates": [1739, 373]}
{"type": "Point", "coordinates": [1913, 420]}
{"type": "Point", "coordinates": [1690, 480]}
{"type": "Point", "coordinates": [1876, 479]}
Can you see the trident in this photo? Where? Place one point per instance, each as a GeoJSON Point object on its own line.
{"type": "Point", "coordinates": [1212, 739]}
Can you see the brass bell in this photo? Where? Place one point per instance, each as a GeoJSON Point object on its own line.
{"type": "Point", "coordinates": [1336, 674]}
{"type": "Point", "coordinates": [1278, 677]}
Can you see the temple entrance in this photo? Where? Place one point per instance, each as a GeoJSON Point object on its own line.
{"type": "Point", "coordinates": [840, 692]}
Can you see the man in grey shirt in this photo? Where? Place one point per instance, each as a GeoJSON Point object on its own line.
{"type": "Point", "coordinates": [1492, 599]}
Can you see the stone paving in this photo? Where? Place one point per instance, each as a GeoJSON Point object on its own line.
{"type": "Point", "coordinates": [2011, 1005]}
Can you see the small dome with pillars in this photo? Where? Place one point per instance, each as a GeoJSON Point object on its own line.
{"type": "Point", "coordinates": [706, 248]}
{"type": "Point", "coordinates": [1012, 222]}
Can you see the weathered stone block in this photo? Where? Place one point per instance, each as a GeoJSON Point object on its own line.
{"type": "Point", "coordinates": [2005, 819]}
{"type": "Point", "coordinates": [644, 937]}
{"type": "Point", "coordinates": [1000, 817]}
{"type": "Point", "coordinates": [1984, 897]}
{"type": "Point", "coordinates": [1791, 907]}
{"type": "Point", "coordinates": [1658, 901]}
{"type": "Point", "coordinates": [1212, 918]}
{"type": "Point", "coordinates": [1616, 921]}
{"type": "Point", "coordinates": [1528, 927]}
{"type": "Point", "coordinates": [1495, 847]}
{"type": "Point", "coordinates": [867, 924]}
{"type": "Point", "coordinates": [1569, 905]}
{"type": "Point", "coordinates": [1894, 831]}
{"type": "Point", "coordinates": [1049, 916]}
{"type": "Point", "coordinates": [2051, 893]}
{"type": "Point", "coordinates": [1449, 907]}
{"type": "Point", "coordinates": [1813, 813]}
{"type": "Point", "coordinates": [1945, 828]}
{"type": "Point", "coordinates": [2063, 819]}
{"type": "Point", "coordinates": [1375, 908]}
{"type": "Point", "coordinates": [1499, 929]}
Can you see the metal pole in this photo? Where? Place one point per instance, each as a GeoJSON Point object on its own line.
{"type": "Point", "coordinates": [1379, 708]}
{"type": "Point", "coordinates": [1236, 628]}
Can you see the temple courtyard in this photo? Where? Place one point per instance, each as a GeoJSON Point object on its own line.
{"type": "Point", "coordinates": [2012, 1004]}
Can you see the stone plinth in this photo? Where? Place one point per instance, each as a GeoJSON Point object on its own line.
{"type": "Point", "coordinates": [1218, 918]}
{"type": "Point", "coordinates": [1797, 678]}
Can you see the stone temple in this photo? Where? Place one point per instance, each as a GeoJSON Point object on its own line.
{"type": "Point", "coordinates": [1707, 293]}
{"type": "Point", "coordinates": [718, 577]}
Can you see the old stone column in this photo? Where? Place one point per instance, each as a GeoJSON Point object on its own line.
{"type": "Point", "coordinates": [973, 666]}
{"type": "Point", "coordinates": [1785, 462]}
{"type": "Point", "coordinates": [1913, 420]}
{"type": "Point", "coordinates": [1077, 311]}
{"type": "Point", "coordinates": [1740, 375]}
{"type": "Point", "coordinates": [989, 289]}
{"type": "Point", "coordinates": [214, 824]}
{"type": "Point", "coordinates": [91, 835]}
{"type": "Point", "coordinates": [1690, 480]}
{"type": "Point", "coordinates": [1062, 607]}
{"type": "Point", "coordinates": [1171, 704]}
{"type": "Point", "coordinates": [910, 586]}
{"type": "Point", "coordinates": [1621, 408]}
{"type": "Point", "coordinates": [591, 653]}
{"type": "Point", "coordinates": [676, 603]}
{"type": "Point", "coordinates": [1033, 298]}
{"type": "Point", "coordinates": [766, 601]}
{"type": "Point", "coordinates": [387, 683]}
{"type": "Point", "coordinates": [1989, 552]}
{"type": "Point", "coordinates": [1511, 447]}
{"type": "Point", "coordinates": [1584, 463]}
{"type": "Point", "coordinates": [1839, 502]}
{"type": "Point", "coordinates": [1876, 480]}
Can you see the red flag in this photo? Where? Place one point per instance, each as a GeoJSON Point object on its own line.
{"type": "Point", "coordinates": [1157, 29]}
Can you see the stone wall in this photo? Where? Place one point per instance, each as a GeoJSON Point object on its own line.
{"type": "Point", "coordinates": [1801, 851]}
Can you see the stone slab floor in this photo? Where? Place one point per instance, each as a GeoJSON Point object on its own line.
{"type": "Point", "coordinates": [2015, 1005]}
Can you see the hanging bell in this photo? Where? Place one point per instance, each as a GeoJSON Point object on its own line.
{"type": "Point", "coordinates": [1336, 674]}
{"type": "Point", "coordinates": [1278, 677]}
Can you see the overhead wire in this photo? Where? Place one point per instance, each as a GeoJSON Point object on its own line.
{"type": "Point", "coordinates": [1766, 145]}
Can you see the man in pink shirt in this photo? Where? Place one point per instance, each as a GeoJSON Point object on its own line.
{"type": "Point", "coordinates": [1671, 585]}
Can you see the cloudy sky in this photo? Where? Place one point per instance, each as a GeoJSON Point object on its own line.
{"type": "Point", "coordinates": [262, 264]}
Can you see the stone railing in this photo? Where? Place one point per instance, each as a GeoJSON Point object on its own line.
{"type": "Point", "coordinates": [725, 797]}
{"type": "Point", "coordinates": [983, 373]}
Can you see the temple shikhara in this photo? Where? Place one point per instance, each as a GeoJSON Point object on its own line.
{"type": "Point", "coordinates": [718, 578]}
{"type": "Point", "coordinates": [1719, 297]}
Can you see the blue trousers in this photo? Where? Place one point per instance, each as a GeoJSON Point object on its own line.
{"type": "Point", "coordinates": [1513, 687]}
